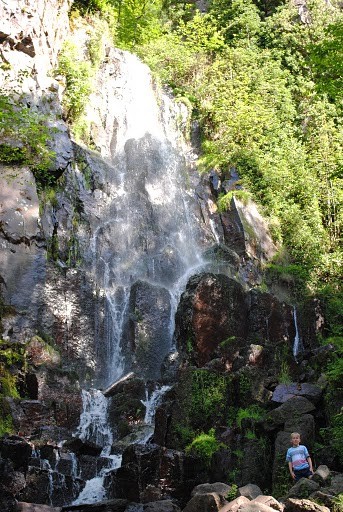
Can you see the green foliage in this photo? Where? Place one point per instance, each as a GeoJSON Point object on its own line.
{"type": "Point", "coordinates": [204, 446]}
{"type": "Point", "coordinates": [233, 493]}
{"type": "Point", "coordinates": [208, 397]}
{"type": "Point", "coordinates": [78, 75]}
{"type": "Point", "coordinates": [338, 503]}
{"type": "Point", "coordinates": [254, 412]}
{"type": "Point", "coordinates": [224, 200]}
{"type": "Point", "coordinates": [25, 137]}
{"type": "Point", "coordinates": [284, 376]}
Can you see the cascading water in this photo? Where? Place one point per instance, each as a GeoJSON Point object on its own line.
{"type": "Point", "coordinates": [297, 347]}
{"type": "Point", "coordinates": [147, 231]}
{"type": "Point", "coordinates": [144, 238]}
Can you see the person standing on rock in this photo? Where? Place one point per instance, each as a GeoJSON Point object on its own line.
{"type": "Point", "coordinates": [298, 458]}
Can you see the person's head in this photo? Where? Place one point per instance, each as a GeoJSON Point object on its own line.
{"type": "Point", "coordinates": [295, 439]}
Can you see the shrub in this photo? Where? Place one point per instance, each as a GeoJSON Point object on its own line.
{"type": "Point", "coordinates": [78, 74]}
{"type": "Point", "coordinates": [204, 446]}
{"type": "Point", "coordinates": [25, 137]}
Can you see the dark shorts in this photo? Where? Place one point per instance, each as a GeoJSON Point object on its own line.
{"type": "Point", "coordinates": [302, 473]}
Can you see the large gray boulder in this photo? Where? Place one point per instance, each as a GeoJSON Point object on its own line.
{"type": "Point", "coordinates": [293, 408]}
{"type": "Point", "coordinates": [294, 505]}
{"type": "Point", "coordinates": [284, 392]}
{"type": "Point", "coordinates": [218, 487]}
{"type": "Point", "coordinates": [210, 502]}
{"type": "Point", "coordinates": [303, 488]}
{"type": "Point", "coordinates": [250, 491]}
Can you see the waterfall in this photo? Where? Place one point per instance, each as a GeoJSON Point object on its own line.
{"type": "Point", "coordinates": [146, 228]}
{"type": "Point", "coordinates": [94, 427]}
{"type": "Point", "coordinates": [297, 346]}
{"type": "Point", "coordinates": [144, 234]}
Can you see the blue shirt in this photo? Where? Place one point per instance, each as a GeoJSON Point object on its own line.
{"type": "Point", "coordinates": [298, 456]}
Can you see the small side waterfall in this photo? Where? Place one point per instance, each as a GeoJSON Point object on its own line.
{"type": "Point", "coordinates": [297, 345]}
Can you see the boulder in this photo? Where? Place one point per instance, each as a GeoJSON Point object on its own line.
{"type": "Point", "coordinates": [323, 498]}
{"type": "Point", "coordinates": [161, 506]}
{"type": "Point", "coordinates": [217, 487]}
{"type": "Point", "coordinates": [294, 505]}
{"type": "Point", "coordinates": [34, 507]}
{"type": "Point", "coordinates": [303, 488]}
{"type": "Point", "coordinates": [321, 475]}
{"type": "Point", "coordinates": [212, 309]}
{"type": "Point", "coordinates": [284, 392]}
{"type": "Point", "coordinates": [115, 505]}
{"type": "Point", "coordinates": [293, 408]}
{"type": "Point", "coordinates": [269, 501]}
{"type": "Point", "coordinates": [83, 447]}
{"type": "Point", "coordinates": [210, 502]}
{"type": "Point", "coordinates": [336, 485]}
{"type": "Point", "coordinates": [250, 491]}
{"type": "Point", "coordinates": [256, 507]}
{"type": "Point", "coordinates": [17, 449]}
{"type": "Point", "coordinates": [236, 504]}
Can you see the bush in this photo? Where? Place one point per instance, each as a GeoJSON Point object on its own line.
{"type": "Point", "coordinates": [204, 446]}
{"type": "Point", "coordinates": [25, 137]}
{"type": "Point", "coordinates": [78, 74]}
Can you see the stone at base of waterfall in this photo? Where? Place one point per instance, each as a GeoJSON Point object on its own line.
{"type": "Point", "coordinates": [336, 485]}
{"type": "Point", "coordinates": [210, 502]}
{"type": "Point", "coordinates": [236, 504]}
{"type": "Point", "coordinates": [294, 505]}
{"type": "Point", "coordinates": [321, 475]}
{"type": "Point", "coordinates": [17, 449]}
{"type": "Point", "coordinates": [294, 407]}
{"type": "Point", "coordinates": [34, 507]}
{"type": "Point", "coordinates": [284, 392]}
{"type": "Point", "coordinates": [250, 491]}
{"type": "Point", "coordinates": [255, 507]}
{"type": "Point", "coordinates": [270, 501]}
{"type": "Point", "coordinates": [323, 498]}
{"type": "Point", "coordinates": [217, 487]}
{"type": "Point", "coordinates": [303, 488]}
{"type": "Point", "coordinates": [161, 506]}
{"type": "Point", "coordinates": [115, 505]}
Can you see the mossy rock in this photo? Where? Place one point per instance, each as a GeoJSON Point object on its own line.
{"type": "Point", "coordinates": [41, 353]}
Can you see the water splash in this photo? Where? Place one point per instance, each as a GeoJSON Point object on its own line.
{"type": "Point", "coordinates": [152, 402]}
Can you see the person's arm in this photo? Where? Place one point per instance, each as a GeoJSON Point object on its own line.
{"type": "Point", "coordinates": [291, 470]}
{"type": "Point", "coordinates": [309, 460]}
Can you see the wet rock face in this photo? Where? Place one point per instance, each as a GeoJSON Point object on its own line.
{"type": "Point", "coordinates": [216, 316]}
{"type": "Point", "coordinates": [212, 309]}
{"type": "Point", "coordinates": [149, 320]}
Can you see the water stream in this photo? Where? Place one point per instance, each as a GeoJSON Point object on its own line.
{"type": "Point", "coordinates": [147, 233]}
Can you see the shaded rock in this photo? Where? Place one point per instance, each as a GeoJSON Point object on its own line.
{"type": "Point", "coordinates": [323, 498]}
{"type": "Point", "coordinates": [81, 447]}
{"type": "Point", "coordinates": [217, 487]}
{"type": "Point", "coordinates": [149, 317]}
{"type": "Point", "coordinates": [7, 501]}
{"type": "Point", "coordinates": [34, 507]}
{"type": "Point", "coordinates": [161, 506]}
{"type": "Point", "coordinates": [14, 482]}
{"type": "Point", "coordinates": [293, 408]}
{"type": "Point", "coordinates": [336, 485]}
{"type": "Point", "coordinates": [236, 504]}
{"type": "Point", "coordinates": [303, 488]}
{"type": "Point", "coordinates": [321, 475]}
{"type": "Point", "coordinates": [250, 491]}
{"type": "Point", "coordinates": [115, 505]}
{"type": "Point", "coordinates": [270, 319]}
{"type": "Point", "coordinates": [17, 449]}
{"type": "Point", "coordinates": [210, 502]}
{"type": "Point", "coordinates": [212, 309]}
{"type": "Point", "coordinates": [294, 505]}
{"type": "Point", "coordinates": [284, 392]}
{"type": "Point", "coordinates": [269, 501]}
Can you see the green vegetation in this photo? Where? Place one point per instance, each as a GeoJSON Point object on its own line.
{"type": "Point", "coordinates": [24, 139]}
{"type": "Point", "coordinates": [254, 412]}
{"type": "Point", "coordinates": [233, 493]}
{"type": "Point", "coordinates": [204, 446]}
